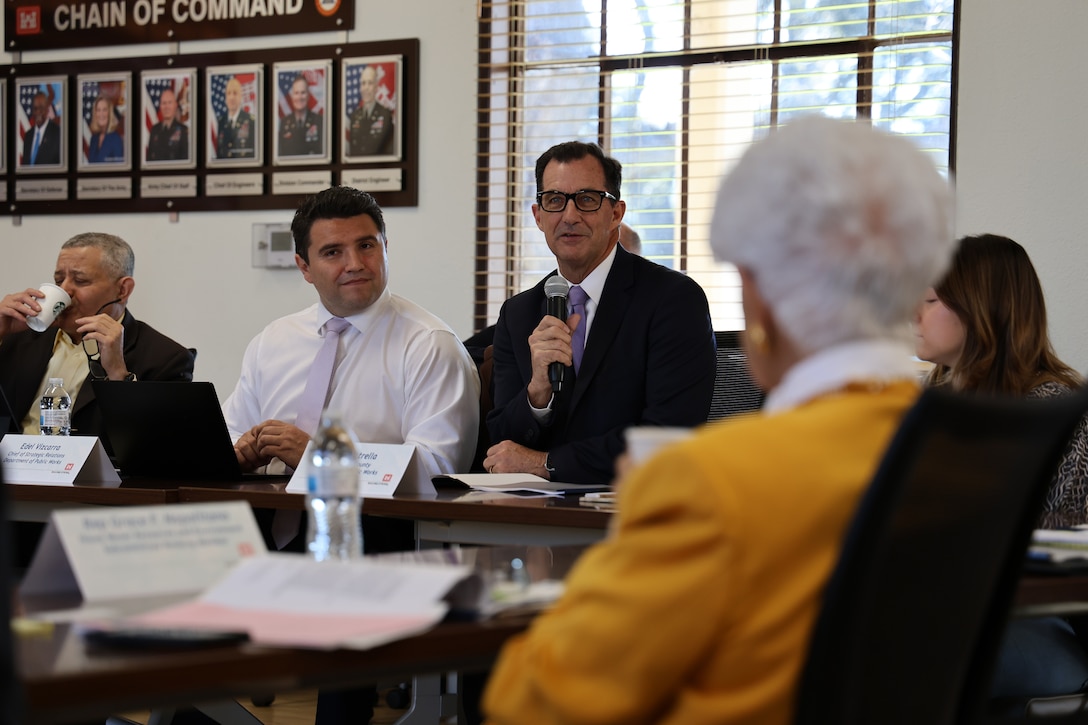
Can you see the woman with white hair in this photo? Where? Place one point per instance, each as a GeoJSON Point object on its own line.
{"type": "Point", "coordinates": [699, 605]}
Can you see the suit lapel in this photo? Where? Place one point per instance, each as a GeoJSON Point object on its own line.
{"type": "Point", "coordinates": [24, 394]}
{"type": "Point", "coordinates": [607, 320]}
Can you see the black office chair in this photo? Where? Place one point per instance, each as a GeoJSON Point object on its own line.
{"type": "Point", "coordinates": [734, 390]}
{"type": "Point", "coordinates": [915, 609]}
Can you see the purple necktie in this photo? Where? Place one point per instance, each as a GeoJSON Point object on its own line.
{"type": "Point", "coordinates": [316, 391]}
{"type": "Point", "coordinates": [578, 297]}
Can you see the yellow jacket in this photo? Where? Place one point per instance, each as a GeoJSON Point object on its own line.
{"type": "Point", "coordinates": [698, 608]}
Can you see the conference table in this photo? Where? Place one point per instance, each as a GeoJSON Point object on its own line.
{"type": "Point", "coordinates": [445, 517]}
{"type": "Point", "coordinates": [66, 680]}
{"type": "Point", "coordinates": [96, 683]}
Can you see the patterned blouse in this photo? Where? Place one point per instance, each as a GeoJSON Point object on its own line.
{"type": "Point", "coordinates": [1067, 501]}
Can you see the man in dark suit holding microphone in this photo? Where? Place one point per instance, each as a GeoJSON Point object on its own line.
{"type": "Point", "coordinates": [636, 349]}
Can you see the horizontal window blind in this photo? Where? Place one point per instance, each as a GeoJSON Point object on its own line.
{"type": "Point", "coordinates": [676, 90]}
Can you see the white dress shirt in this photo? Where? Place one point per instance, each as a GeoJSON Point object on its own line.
{"type": "Point", "coordinates": [401, 376]}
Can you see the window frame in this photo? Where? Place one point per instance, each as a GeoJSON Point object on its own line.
{"type": "Point", "coordinates": [863, 49]}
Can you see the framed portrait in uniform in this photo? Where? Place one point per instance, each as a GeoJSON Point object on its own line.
{"type": "Point", "coordinates": [40, 125]}
{"type": "Point", "coordinates": [105, 128]}
{"type": "Point", "coordinates": [235, 113]}
{"type": "Point", "coordinates": [300, 112]}
{"type": "Point", "coordinates": [371, 119]}
{"type": "Point", "coordinates": [168, 102]}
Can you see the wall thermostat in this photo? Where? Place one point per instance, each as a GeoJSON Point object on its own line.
{"type": "Point", "coordinates": [273, 246]}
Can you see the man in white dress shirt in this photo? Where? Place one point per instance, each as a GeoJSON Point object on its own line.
{"type": "Point", "coordinates": [401, 375]}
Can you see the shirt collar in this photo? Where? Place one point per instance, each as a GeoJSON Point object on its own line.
{"type": "Point", "coordinates": [360, 320]}
{"type": "Point", "coordinates": [832, 369]}
{"type": "Point", "coordinates": [593, 284]}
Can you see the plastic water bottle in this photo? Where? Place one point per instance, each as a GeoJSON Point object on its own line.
{"type": "Point", "coordinates": [332, 499]}
{"type": "Point", "coordinates": [55, 418]}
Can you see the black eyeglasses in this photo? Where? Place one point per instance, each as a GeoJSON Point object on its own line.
{"type": "Point", "coordinates": [584, 200]}
{"type": "Point", "coordinates": [94, 359]}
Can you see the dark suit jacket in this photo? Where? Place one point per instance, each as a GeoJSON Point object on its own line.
{"type": "Point", "coordinates": [372, 134]}
{"type": "Point", "coordinates": [649, 360]}
{"type": "Point", "coordinates": [48, 150]}
{"type": "Point", "coordinates": [24, 357]}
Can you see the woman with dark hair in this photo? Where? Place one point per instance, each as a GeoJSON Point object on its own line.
{"type": "Point", "coordinates": [984, 327]}
{"type": "Point", "coordinates": [106, 145]}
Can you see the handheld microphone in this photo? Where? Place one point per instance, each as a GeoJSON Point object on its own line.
{"type": "Point", "coordinates": [556, 289]}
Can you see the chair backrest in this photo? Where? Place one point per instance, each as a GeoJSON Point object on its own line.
{"type": "Point", "coordinates": [914, 611]}
{"type": "Point", "coordinates": [483, 438]}
{"type": "Point", "coordinates": [734, 390]}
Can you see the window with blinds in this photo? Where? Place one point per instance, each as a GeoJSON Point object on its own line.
{"type": "Point", "coordinates": [676, 90]}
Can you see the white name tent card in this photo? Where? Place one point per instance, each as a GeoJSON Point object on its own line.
{"type": "Point", "coordinates": [101, 554]}
{"type": "Point", "coordinates": [56, 460]}
{"type": "Point", "coordinates": [381, 469]}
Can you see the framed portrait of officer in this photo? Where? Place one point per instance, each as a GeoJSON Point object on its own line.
{"type": "Point", "coordinates": [168, 102]}
{"type": "Point", "coordinates": [371, 89]}
{"type": "Point", "coordinates": [39, 128]}
{"type": "Point", "coordinates": [301, 111]}
{"type": "Point", "coordinates": [234, 112]}
{"type": "Point", "coordinates": [105, 112]}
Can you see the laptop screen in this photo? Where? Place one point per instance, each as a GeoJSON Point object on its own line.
{"type": "Point", "coordinates": [167, 430]}
{"type": "Point", "coordinates": [8, 422]}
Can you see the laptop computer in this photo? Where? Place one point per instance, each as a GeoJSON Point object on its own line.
{"type": "Point", "coordinates": [8, 422]}
{"type": "Point", "coordinates": [167, 430]}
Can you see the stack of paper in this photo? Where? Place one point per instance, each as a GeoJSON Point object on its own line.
{"type": "Point", "coordinates": [293, 601]}
{"type": "Point", "coordinates": [512, 483]}
{"type": "Point", "coordinates": [1059, 545]}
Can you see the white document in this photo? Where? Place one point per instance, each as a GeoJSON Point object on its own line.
{"type": "Point", "coordinates": [513, 482]}
{"type": "Point", "coordinates": [293, 601]}
{"type": "Point", "coordinates": [102, 554]}
{"type": "Point", "coordinates": [56, 460]}
{"type": "Point", "coordinates": [381, 468]}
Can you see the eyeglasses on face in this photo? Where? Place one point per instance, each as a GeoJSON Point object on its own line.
{"type": "Point", "coordinates": [584, 200]}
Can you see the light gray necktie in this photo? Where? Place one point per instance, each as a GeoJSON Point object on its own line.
{"type": "Point", "coordinates": [285, 523]}
{"type": "Point", "coordinates": [316, 392]}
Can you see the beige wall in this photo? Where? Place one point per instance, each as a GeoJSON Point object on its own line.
{"type": "Point", "coordinates": [1023, 146]}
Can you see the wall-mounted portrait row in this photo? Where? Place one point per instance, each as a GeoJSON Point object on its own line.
{"type": "Point", "coordinates": [300, 114]}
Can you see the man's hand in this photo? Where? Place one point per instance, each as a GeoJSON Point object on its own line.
{"type": "Point", "coordinates": [246, 450]}
{"type": "Point", "coordinates": [268, 440]}
{"type": "Point", "coordinates": [510, 457]}
{"type": "Point", "coordinates": [110, 336]}
{"type": "Point", "coordinates": [550, 342]}
{"type": "Point", "coordinates": [15, 308]}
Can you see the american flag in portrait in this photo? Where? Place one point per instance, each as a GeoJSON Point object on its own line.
{"type": "Point", "coordinates": [152, 88]}
{"type": "Point", "coordinates": [24, 108]}
{"type": "Point", "coordinates": [250, 97]}
{"type": "Point", "coordinates": [314, 76]}
{"type": "Point", "coordinates": [386, 95]}
{"type": "Point", "coordinates": [114, 91]}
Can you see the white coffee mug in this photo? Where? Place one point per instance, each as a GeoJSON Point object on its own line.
{"type": "Point", "coordinates": [644, 440]}
{"type": "Point", "coordinates": [56, 301]}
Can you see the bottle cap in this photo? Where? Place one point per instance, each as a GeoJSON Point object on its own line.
{"type": "Point", "coordinates": [59, 382]}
